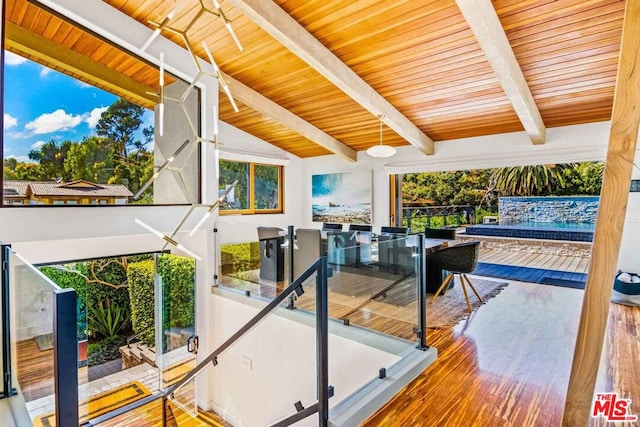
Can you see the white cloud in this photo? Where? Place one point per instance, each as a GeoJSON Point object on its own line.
{"type": "Point", "coordinates": [36, 145]}
{"type": "Point", "coordinates": [13, 59]}
{"type": "Point", "coordinates": [94, 116]}
{"type": "Point", "coordinates": [83, 85]}
{"type": "Point", "coordinates": [44, 72]}
{"type": "Point", "coordinates": [9, 121]}
{"type": "Point", "coordinates": [24, 159]}
{"type": "Point", "coordinates": [53, 122]}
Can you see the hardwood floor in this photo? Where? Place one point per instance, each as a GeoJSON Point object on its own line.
{"type": "Point", "coordinates": [150, 415]}
{"type": "Point", "coordinates": [34, 370]}
{"type": "Point", "coordinates": [509, 363]}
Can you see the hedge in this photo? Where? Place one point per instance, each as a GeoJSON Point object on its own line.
{"type": "Point", "coordinates": [140, 278]}
{"type": "Point", "coordinates": [90, 294]}
{"type": "Point", "coordinates": [178, 282]}
{"type": "Point", "coordinates": [240, 257]}
{"type": "Point", "coordinates": [178, 279]}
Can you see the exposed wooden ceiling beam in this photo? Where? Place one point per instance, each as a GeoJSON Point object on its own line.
{"type": "Point", "coordinates": [623, 137]}
{"type": "Point", "coordinates": [271, 18]}
{"type": "Point", "coordinates": [286, 118]}
{"type": "Point", "coordinates": [486, 26]}
{"type": "Point", "coordinates": [28, 43]}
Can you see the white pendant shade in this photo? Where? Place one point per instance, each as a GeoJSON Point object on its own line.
{"type": "Point", "coordinates": [381, 151]}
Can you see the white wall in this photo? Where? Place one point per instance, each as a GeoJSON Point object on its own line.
{"type": "Point", "coordinates": [630, 247]}
{"type": "Point", "coordinates": [282, 366]}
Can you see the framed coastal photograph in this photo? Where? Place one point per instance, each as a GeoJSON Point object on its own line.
{"type": "Point", "coordinates": [342, 197]}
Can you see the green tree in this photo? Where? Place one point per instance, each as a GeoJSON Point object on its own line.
{"type": "Point", "coordinates": [89, 160]}
{"type": "Point", "coordinates": [533, 180]}
{"type": "Point", "coordinates": [50, 156]}
{"type": "Point", "coordinates": [24, 171]}
{"type": "Point", "coordinates": [118, 125]}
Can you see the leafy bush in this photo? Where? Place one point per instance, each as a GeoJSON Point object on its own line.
{"type": "Point", "coordinates": [92, 294]}
{"type": "Point", "coordinates": [240, 257]}
{"type": "Point", "coordinates": [107, 319]}
{"type": "Point", "coordinates": [178, 282]}
{"type": "Point", "coordinates": [105, 350]}
{"type": "Point", "coordinates": [140, 278]}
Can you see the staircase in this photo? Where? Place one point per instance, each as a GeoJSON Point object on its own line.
{"type": "Point", "coordinates": [137, 353]}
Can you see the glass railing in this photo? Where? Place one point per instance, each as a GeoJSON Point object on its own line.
{"type": "Point", "coordinates": [375, 282]}
{"type": "Point", "coordinates": [43, 342]}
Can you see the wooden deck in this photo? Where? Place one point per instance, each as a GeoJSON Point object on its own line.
{"type": "Point", "coordinates": [573, 264]}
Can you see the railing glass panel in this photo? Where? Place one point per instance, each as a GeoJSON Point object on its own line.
{"type": "Point", "coordinates": [253, 258]}
{"type": "Point", "coordinates": [32, 331]}
{"type": "Point", "coordinates": [264, 368]}
{"type": "Point", "coordinates": [374, 282]}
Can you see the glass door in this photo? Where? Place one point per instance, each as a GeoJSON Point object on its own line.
{"type": "Point", "coordinates": [176, 338]}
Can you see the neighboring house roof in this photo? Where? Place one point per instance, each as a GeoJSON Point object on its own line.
{"type": "Point", "coordinates": [15, 189]}
{"type": "Point", "coordinates": [80, 188]}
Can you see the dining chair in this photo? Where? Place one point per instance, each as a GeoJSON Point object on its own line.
{"type": "Point", "coordinates": [393, 230]}
{"type": "Point", "coordinates": [458, 259]}
{"type": "Point", "coordinates": [440, 233]}
{"type": "Point", "coordinates": [363, 236]}
{"type": "Point", "coordinates": [329, 226]}
{"type": "Point", "coordinates": [271, 253]}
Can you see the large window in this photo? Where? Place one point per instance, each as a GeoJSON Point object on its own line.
{"type": "Point", "coordinates": [259, 188]}
{"type": "Point", "coordinates": [88, 137]}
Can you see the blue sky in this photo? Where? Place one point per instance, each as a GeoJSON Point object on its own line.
{"type": "Point", "coordinates": [41, 104]}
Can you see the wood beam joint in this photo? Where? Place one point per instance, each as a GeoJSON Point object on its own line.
{"type": "Point", "coordinates": [486, 26]}
{"type": "Point", "coordinates": [277, 23]}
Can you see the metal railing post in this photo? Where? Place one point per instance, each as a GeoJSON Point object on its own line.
{"type": "Point", "coordinates": [421, 270]}
{"type": "Point", "coordinates": [322, 343]}
{"type": "Point", "coordinates": [290, 232]}
{"type": "Point", "coordinates": [7, 387]}
{"type": "Point", "coordinates": [65, 357]}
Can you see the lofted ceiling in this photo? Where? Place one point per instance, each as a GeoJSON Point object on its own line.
{"type": "Point", "coordinates": [420, 56]}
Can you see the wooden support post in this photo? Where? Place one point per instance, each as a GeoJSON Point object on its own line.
{"type": "Point", "coordinates": [625, 119]}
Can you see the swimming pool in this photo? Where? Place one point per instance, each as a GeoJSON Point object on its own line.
{"type": "Point", "coordinates": [576, 232]}
{"type": "Point", "coordinates": [550, 225]}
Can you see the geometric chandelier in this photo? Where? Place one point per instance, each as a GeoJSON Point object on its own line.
{"type": "Point", "coordinates": [183, 33]}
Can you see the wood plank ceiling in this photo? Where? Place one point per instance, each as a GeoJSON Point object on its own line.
{"type": "Point", "coordinates": [421, 56]}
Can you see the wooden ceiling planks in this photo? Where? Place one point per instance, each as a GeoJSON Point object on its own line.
{"type": "Point", "coordinates": [420, 56]}
{"type": "Point", "coordinates": [568, 52]}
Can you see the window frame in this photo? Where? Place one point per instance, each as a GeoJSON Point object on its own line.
{"type": "Point", "coordinates": [75, 23]}
{"type": "Point", "coordinates": [251, 210]}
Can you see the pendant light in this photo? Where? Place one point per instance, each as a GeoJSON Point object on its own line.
{"type": "Point", "coordinates": [381, 150]}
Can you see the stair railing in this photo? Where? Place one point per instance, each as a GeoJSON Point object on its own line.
{"type": "Point", "coordinates": [321, 406]}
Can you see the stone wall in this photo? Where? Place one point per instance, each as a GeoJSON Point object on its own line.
{"type": "Point", "coordinates": [576, 209]}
